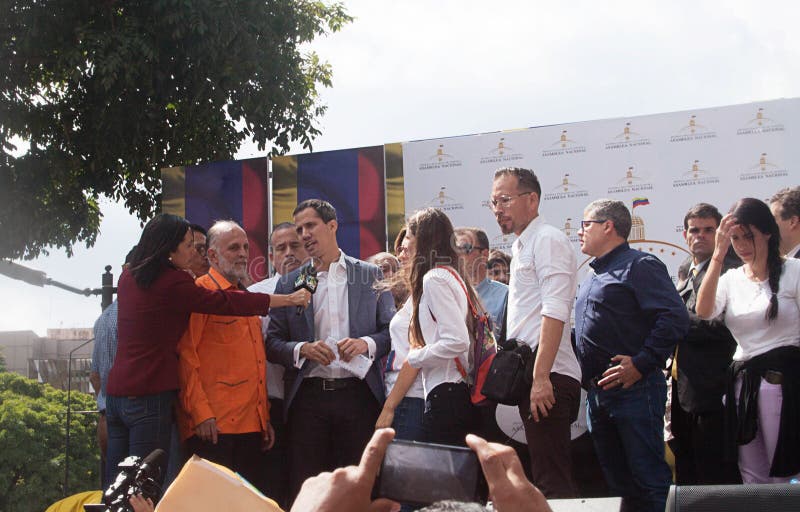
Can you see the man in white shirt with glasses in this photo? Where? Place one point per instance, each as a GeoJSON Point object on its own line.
{"type": "Point", "coordinates": [541, 297]}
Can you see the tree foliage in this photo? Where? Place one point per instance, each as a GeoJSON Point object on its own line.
{"type": "Point", "coordinates": [32, 438]}
{"type": "Point", "coordinates": [109, 92]}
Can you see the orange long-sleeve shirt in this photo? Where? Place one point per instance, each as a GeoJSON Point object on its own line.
{"type": "Point", "coordinates": [222, 370]}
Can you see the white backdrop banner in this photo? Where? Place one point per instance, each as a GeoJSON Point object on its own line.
{"type": "Point", "coordinates": [662, 163]}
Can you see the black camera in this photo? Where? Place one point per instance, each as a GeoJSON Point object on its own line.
{"type": "Point", "coordinates": [136, 476]}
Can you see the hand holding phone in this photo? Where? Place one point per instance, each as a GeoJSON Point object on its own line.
{"type": "Point", "coordinates": [424, 473]}
{"type": "Point", "coordinates": [348, 489]}
{"type": "Point", "coordinates": [509, 488]}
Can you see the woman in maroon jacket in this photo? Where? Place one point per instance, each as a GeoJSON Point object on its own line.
{"type": "Point", "coordinates": [156, 296]}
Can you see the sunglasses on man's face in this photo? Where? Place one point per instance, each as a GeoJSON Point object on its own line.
{"type": "Point", "coordinates": [468, 248]}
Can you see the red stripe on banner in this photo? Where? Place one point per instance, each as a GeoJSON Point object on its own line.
{"type": "Point", "coordinates": [255, 214]}
{"type": "Point", "coordinates": [371, 202]}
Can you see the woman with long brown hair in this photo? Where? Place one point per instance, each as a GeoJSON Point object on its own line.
{"type": "Point", "coordinates": [760, 304]}
{"type": "Point", "coordinates": [439, 331]}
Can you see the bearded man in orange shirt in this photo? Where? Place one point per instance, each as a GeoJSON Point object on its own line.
{"type": "Point", "coordinates": [222, 370]}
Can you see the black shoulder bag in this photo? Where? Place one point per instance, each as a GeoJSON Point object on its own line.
{"type": "Point", "coordinates": [511, 374]}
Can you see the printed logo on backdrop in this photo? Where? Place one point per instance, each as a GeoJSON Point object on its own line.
{"type": "Point", "coordinates": [760, 124]}
{"type": "Point", "coordinates": [564, 146]}
{"type": "Point", "coordinates": [632, 181]}
{"type": "Point", "coordinates": [566, 190]}
{"type": "Point", "coordinates": [503, 242]}
{"type": "Point", "coordinates": [445, 202]}
{"type": "Point", "coordinates": [627, 139]}
{"type": "Point", "coordinates": [571, 230]}
{"type": "Point", "coordinates": [763, 169]}
{"type": "Point", "coordinates": [695, 176]}
{"type": "Point", "coordinates": [440, 160]}
{"type": "Point", "coordinates": [501, 153]}
{"type": "Point", "coordinates": [694, 130]}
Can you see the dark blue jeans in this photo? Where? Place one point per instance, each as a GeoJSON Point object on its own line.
{"type": "Point", "coordinates": [137, 425]}
{"type": "Point", "coordinates": [627, 427]}
{"type": "Point", "coordinates": [407, 425]}
{"type": "Point", "coordinates": [407, 422]}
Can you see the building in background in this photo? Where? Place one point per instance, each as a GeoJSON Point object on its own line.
{"type": "Point", "coordinates": [46, 359]}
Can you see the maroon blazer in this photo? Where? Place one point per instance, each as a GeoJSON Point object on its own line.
{"type": "Point", "coordinates": [152, 320]}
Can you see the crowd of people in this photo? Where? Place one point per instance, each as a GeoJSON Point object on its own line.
{"type": "Point", "coordinates": [282, 385]}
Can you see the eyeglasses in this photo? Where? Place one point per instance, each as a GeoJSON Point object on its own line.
{"type": "Point", "coordinates": [201, 249]}
{"type": "Point", "coordinates": [504, 201]}
{"type": "Point", "coordinates": [586, 223]}
{"type": "Point", "coordinates": [468, 248]}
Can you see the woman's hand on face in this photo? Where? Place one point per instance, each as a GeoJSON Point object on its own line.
{"type": "Point", "coordinates": [722, 239]}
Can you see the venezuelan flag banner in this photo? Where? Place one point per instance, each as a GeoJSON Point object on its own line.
{"type": "Point", "coordinates": [352, 180]}
{"type": "Point", "coordinates": [234, 190]}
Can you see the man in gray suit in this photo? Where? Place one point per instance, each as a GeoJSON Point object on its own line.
{"type": "Point", "coordinates": [331, 412]}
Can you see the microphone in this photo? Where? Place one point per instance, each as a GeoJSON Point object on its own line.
{"type": "Point", "coordinates": [306, 279]}
{"type": "Point", "coordinates": [153, 465]}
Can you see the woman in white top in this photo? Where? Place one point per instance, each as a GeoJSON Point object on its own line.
{"type": "Point", "coordinates": [407, 420]}
{"type": "Point", "coordinates": [760, 302]}
{"type": "Point", "coordinates": [438, 332]}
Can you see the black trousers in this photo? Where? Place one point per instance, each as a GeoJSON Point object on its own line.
{"type": "Point", "coordinates": [238, 452]}
{"type": "Point", "coordinates": [549, 439]}
{"type": "Point", "coordinates": [328, 428]}
{"type": "Point", "coordinates": [449, 415]}
{"type": "Point", "coordinates": [276, 463]}
{"type": "Point", "coordinates": [698, 447]}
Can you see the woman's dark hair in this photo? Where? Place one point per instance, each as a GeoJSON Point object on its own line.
{"type": "Point", "coordinates": [753, 212]}
{"type": "Point", "coordinates": [435, 246]}
{"type": "Point", "coordinates": [161, 236]}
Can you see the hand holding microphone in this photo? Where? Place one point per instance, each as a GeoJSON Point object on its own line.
{"type": "Point", "coordinates": [306, 280]}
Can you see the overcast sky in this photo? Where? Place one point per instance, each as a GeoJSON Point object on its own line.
{"type": "Point", "coordinates": [409, 70]}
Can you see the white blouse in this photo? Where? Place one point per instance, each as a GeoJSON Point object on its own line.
{"type": "Point", "coordinates": [446, 337]}
{"type": "Point", "coordinates": [744, 304]}
{"type": "Point", "coordinates": [398, 331]}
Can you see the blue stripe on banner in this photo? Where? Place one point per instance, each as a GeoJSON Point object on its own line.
{"type": "Point", "coordinates": [214, 192]}
{"type": "Point", "coordinates": [333, 177]}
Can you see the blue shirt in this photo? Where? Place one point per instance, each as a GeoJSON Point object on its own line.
{"type": "Point", "coordinates": [628, 306]}
{"type": "Point", "coordinates": [494, 296]}
{"type": "Point", "coordinates": [104, 350]}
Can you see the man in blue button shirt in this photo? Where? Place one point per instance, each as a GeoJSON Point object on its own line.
{"type": "Point", "coordinates": [628, 318]}
{"type": "Point", "coordinates": [472, 245]}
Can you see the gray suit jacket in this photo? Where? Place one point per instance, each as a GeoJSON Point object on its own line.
{"type": "Point", "coordinates": [370, 314]}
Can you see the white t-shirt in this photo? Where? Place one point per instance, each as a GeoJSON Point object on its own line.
{"type": "Point", "coordinates": [447, 337]}
{"type": "Point", "coordinates": [744, 304]}
{"type": "Point", "coordinates": [398, 330]}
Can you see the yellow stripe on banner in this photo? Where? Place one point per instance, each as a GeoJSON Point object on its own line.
{"type": "Point", "coordinates": [173, 187]}
{"type": "Point", "coordinates": [284, 188]}
{"type": "Point", "coordinates": [395, 191]}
